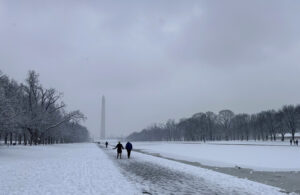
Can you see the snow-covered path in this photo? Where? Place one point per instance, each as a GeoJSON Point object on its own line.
{"type": "Point", "coordinates": [160, 176]}
{"type": "Point", "coordinates": [60, 169]}
{"type": "Point", "coordinates": [162, 180]}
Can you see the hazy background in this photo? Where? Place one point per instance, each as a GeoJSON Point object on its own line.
{"type": "Point", "coordinates": [155, 60]}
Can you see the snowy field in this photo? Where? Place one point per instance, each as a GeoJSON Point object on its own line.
{"type": "Point", "coordinates": [88, 169]}
{"type": "Point", "coordinates": [59, 169]}
{"type": "Point", "coordinates": [260, 156]}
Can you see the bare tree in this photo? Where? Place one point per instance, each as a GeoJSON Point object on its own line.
{"type": "Point", "coordinates": [240, 126]}
{"type": "Point", "coordinates": [211, 120]}
{"type": "Point", "coordinates": [171, 129]}
{"type": "Point", "coordinates": [44, 110]}
{"type": "Point", "coordinates": [224, 118]}
{"type": "Point", "coordinates": [290, 118]}
{"type": "Point", "coordinates": [270, 121]}
{"type": "Point", "coordinates": [280, 124]}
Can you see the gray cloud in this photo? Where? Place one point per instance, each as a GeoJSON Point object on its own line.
{"type": "Point", "coordinates": [239, 32]}
{"type": "Point", "coordinates": [155, 60]}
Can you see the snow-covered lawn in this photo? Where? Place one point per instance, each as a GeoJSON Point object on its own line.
{"type": "Point", "coordinates": [265, 156]}
{"type": "Point", "coordinates": [60, 169]}
{"type": "Point", "coordinates": [87, 169]}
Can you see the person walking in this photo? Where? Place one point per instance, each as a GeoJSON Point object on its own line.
{"type": "Point", "coordinates": [291, 141]}
{"type": "Point", "coordinates": [106, 144]}
{"type": "Point", "coordinates": [128, 148]}
{"type": "Point", "coordinates": [119, 148]}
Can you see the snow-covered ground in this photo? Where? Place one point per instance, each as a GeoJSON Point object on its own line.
{"type": "Point", "coordinates": [88, 169]}
{"type": "Point", "coordinates": [60, 169]}
{"type": "Point", "coordinates": [161, 176]}
{"type": "Point", "coordinates": [261, 156]}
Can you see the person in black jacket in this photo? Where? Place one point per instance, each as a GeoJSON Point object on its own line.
{"type": "Point", "coordinates": [128, 148]}
{"type": "Point", "coordinates": [119, 148]}
{"type": "Point", "coordinates": [106, 144]}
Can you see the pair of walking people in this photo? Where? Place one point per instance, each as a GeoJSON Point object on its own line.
{"type": "Point", "coordinates": [120, 147]}
{"type": "Point", "coordinates": [294, 141]}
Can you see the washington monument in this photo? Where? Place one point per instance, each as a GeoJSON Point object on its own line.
{"type": "Point", "coordinates": [102, 133]}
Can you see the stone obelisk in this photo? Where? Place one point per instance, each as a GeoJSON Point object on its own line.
{"type": "Point", "coordinates": [102, 133]}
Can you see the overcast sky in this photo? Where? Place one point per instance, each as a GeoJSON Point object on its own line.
{"type": "Point", "coordinates": [155, 60]}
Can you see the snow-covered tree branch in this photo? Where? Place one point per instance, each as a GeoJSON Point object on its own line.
{"type": "Point", "coordinates": [30, 112]}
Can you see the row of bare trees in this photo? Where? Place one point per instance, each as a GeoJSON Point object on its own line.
{"type": "Point", "coordinates": [226, 125]}
{"type": "Point", "coordinates": [31, 114]}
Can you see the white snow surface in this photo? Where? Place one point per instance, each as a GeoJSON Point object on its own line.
{"type": "Point", "coordinates": [86, 169]}
{"type": "Point", "coordinates": [228, 184]}
{"type": "Point", "coordinates": [260, 156]}
{"type": "Point", "coordinates": [60, 169]}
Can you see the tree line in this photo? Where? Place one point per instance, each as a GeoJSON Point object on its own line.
{"type": "Point", "coordinates": [226, 125]}
{"type": "Point", "coordinates": [31, 114]}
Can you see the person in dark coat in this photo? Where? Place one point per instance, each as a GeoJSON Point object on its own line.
{"type": "Point", "coordinates": [297, 142]}
{"type": "Point", "coordinates": [119, 148]}
{"type": "Point", "coordinates": [128, 148]}
{"type": "Point", "coordinates": [291, 141]}
{"type": "Point", "coordinates": [106, 144]}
